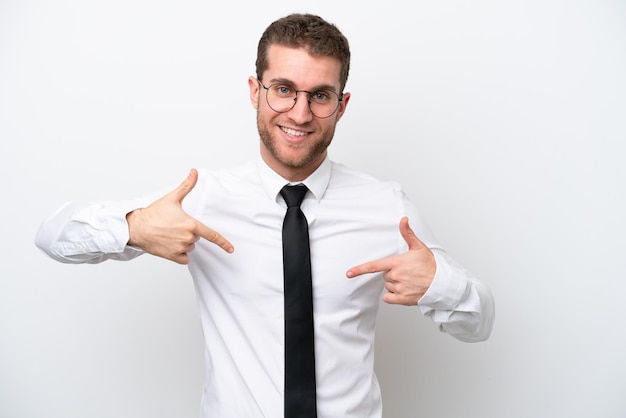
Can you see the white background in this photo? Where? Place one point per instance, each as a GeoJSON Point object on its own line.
{"type": "Point", "coordinates": [504, 121]}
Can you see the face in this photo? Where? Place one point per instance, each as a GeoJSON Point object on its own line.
{"type": "Point", "coordinates": [294, 143]}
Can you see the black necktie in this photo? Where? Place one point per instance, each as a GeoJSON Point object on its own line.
{"type": "Point", "coordinates": [299, 349]}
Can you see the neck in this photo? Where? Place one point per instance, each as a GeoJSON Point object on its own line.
{"type": "Point", "coordinates": [288, 172]}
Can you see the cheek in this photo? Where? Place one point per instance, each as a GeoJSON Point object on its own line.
{"type": "Point", "coordinates": [263, 109]}
{"type": "Point", "coordinates": [329, 130]}
{"type": "Point", "coordinates": [264, 115]}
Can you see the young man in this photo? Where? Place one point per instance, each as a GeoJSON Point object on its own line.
{"type": "Point", "coordinates": [361, 245]}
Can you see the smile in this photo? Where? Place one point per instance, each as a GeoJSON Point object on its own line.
{"type": "Point", "coordinates": [293, 132]}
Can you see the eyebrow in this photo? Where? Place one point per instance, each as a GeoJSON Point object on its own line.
{"type": "Point", "coordinates": [292, 84]}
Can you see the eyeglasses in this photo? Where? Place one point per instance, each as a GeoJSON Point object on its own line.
{"type": "Point", "coordinates": [282, 98]}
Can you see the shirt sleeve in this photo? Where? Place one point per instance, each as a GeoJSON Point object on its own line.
{"type": "Point", "coordinates": [458, 303]}
{"type": "Point", "coordinates": [88, 232]}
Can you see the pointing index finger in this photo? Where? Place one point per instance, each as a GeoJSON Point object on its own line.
{"type": "Point", "coordinates": [369, 267]}
{"type": "Point", "coordinates": [214, 237]}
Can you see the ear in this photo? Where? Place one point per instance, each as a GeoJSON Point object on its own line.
{"type": "Point", "coordinates": [254, 91]}
{"type": "Point", "coordinates": [342, 105]}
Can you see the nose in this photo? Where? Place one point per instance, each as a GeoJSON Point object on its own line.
{"type": "Point", "coordinates": [301, 111]}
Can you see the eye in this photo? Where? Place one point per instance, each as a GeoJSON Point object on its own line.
{"type": "Point", "coordinates": [321, 96]}
{"type": "Point", "coordinates": [283, 90]}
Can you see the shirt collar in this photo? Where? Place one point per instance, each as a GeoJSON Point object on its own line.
{"type": "Point", "coordinates": [272, 182]}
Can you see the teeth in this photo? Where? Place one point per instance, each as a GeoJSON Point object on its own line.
{"type": "Point", "coordinates": [293, 132]}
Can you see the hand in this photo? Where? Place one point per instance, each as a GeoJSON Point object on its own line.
{"type": "Point", "coordinates": [164, 229]}
{"type": "Point", "coordinates": [407, 276]}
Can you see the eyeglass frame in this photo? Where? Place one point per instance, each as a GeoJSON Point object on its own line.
{"type": "Point", "coordinates": [295, 99]}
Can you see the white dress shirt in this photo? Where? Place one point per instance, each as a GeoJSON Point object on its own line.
{"type": "Point", "coordinates": [352, 218]}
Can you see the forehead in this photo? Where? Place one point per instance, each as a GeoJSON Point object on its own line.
{"type": "Point", "coordinates": [302, 69]}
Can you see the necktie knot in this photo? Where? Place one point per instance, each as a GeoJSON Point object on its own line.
{"type": "Point", "coordinates": [293, 195]}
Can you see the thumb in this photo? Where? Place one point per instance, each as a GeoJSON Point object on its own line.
{"type": "Point", "coordinates": [409, 236]}
{"type": "Point", "coordinates": [185, 187]}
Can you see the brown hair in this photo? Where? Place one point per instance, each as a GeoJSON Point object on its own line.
{"type": "Point", "coordinates": [308, 31]}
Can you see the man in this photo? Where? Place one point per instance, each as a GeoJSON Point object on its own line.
{"type": "Point", "coordinates": [361, 244]}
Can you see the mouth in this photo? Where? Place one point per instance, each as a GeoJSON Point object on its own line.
{"type": "Point", "coordinates": [294, 135]}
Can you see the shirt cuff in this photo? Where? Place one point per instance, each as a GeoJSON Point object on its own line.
{"type": "Point", "coordinates": [448, 286]}
{"type": "Point", "coordinates": [105, 229]}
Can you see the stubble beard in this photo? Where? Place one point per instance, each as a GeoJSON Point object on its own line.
{"type": "Point", "coordinates": [313, 151]}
